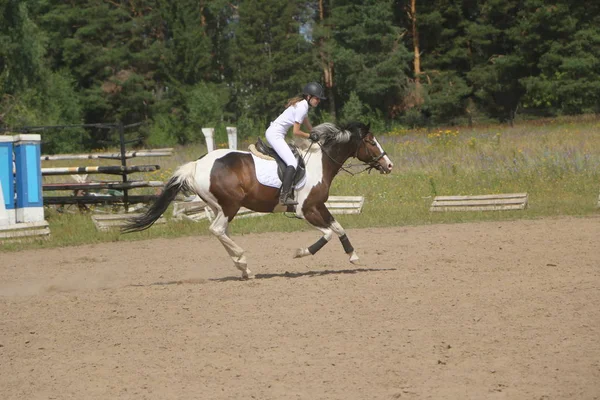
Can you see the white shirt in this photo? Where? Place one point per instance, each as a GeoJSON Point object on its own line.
{"type": "Point", "coordinates": [292, 114]}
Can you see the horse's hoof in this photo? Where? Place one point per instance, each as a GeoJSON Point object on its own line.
{"type": "Point", "coordinates": [247, 274]}
{"type": "Point", "coordinates": [301, 253]}
{"type": "Point", "coordinates": [354, 259]}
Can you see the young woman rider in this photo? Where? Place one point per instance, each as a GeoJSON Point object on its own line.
{"type": "Point", "coordinates": [294, 116]}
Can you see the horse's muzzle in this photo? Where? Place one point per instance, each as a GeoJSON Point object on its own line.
{"type": "Point", "coordinates": [385, 165]}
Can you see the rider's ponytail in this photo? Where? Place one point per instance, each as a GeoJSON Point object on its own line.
{"type": "Point", "coordinates": [294, 100]}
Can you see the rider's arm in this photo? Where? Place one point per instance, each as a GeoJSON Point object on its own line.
{"type": "Point", "coordinates": [298, 131]}
{"type": "Point", "coordinates": [307, 124]}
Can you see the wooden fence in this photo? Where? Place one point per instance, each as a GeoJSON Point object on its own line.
{"type": "Point", "coordinates": [492, 202]}
{"type": "Point", "coordinates": [86, 192]}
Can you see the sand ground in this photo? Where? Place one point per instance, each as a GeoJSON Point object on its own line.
{"type": "Point", "coordinates": [500, 310]}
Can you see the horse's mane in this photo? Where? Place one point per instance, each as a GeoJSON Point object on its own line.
{"type": "Point", "coordinates": [329, 132]}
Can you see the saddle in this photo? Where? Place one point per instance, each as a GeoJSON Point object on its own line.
{"type": "Point", "coordinates": [263, 150]}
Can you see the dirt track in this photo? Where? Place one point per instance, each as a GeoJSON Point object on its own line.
{"type": "Point", "coordinates": [503, 310]}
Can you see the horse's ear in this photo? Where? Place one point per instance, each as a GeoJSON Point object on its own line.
{"type": "Point", "coordinates": [369, 127]}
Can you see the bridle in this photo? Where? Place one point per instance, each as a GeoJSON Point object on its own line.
{"type": "Point", "coordinates": [371, 164]}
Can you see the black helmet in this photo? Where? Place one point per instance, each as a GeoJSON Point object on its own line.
{"type": "Point", "coordinates": [314, 89]}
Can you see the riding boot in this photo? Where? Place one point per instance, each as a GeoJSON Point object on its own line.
{"type": "Point", "coordinates": [285, 196]}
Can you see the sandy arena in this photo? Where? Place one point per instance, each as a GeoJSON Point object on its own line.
{"type": "Point", "coordinates": [500, 310]}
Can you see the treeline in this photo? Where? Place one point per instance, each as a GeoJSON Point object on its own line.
{"type": "Point", "coordinates": [179, 65]}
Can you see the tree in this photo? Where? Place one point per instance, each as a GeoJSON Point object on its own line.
{"type": "Point", "coordinates": [322, 39]}
{"type": "Point", "coordinates": [560, 42]}
{"type": "Point", "coordinates": [369, 56]}
{"type": "Point", "coordinates": [30, 92]}
{"type": "Point", "coordinates": [270, 58]}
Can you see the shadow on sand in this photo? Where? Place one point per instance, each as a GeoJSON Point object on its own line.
{"type": "Point", "coordinates": [267, 276]}
{"type": "Point", "coordinates": [305, 274]}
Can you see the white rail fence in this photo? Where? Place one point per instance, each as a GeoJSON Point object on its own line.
{"type": "Point", "coordinates": [492, 202]}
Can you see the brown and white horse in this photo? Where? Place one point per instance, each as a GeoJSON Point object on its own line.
{"type": "Point", "coordinates": [226, 180]}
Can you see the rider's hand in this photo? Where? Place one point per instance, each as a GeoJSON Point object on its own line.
{"type": "Point", "coordinates": [314, 137]}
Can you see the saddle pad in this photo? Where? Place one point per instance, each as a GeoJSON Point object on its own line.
{"type": "Point", "coordinates": [266, 173]}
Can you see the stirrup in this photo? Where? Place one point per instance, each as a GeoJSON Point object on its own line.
{"type": "Point", "coordinates": [288, 201]}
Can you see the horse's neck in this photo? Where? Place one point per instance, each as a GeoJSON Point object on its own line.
{"type": "Point", "coordinates": [330, 161]}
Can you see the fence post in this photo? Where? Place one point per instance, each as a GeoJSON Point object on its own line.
{"type": "Point", "coordinates": [7, 182]}
{"type": "Point", "coordinates": [232, 137]}
{"type": "Point", "coordinates": [209, 136]}
{"type": "Point", "coordinates": [123, 164]}
{"type": "Point", "coordinates": [30, 204]}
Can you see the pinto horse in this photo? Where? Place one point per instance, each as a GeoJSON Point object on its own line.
{"type": "Point", "coordinates": [226, 180]}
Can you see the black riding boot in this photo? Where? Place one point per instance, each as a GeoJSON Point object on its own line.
{"type": "Point", "coordinates": [285, 197]}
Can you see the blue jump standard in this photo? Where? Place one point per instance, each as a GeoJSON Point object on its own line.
{"type": "Point", "coordinates": [7, 179]}
{"type": "Point", "coordinates": [30, 203]}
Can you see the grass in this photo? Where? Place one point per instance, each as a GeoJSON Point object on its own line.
{"type": "Point", "coordinates": [557, 162]}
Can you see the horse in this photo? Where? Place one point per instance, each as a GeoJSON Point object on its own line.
{"type": "Point", "coordinates": [226, 180]}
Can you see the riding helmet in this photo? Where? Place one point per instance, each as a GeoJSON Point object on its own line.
{"type": "Point", "coordinates": [314, 89]}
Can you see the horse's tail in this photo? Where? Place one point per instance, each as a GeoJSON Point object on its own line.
{"type": "Point", "coordinates": [182, 180]}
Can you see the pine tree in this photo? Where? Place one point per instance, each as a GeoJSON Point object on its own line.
{"type": "Point", "coordinates": [369, 56]}
{"type": "Point", "coordinates": [30, 92]}
{"type": "Point", "coordinates": [560, 41]}
{"type": "Point", "coordinates": [270, 58]}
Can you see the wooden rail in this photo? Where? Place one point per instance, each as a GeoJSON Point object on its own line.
{"type": "Point", "coordinates": [101, 185]}
{"type": "Point", "coordinates": [493, 202]}
{"type": "Point", "coordinates": [111, 156]}
{"type": "Point", "coordinates": [106, 169]}
{"type": "Point", "coordinates": [23, 231]}
{"type": "Point", "coordinates": [98, 199]}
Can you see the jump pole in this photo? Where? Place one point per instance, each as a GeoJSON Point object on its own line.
{"type": "Point", "coordinates": [7, 182]}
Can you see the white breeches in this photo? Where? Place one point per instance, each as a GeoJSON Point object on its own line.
{"type": "Point", "coordinates": [277, 142]}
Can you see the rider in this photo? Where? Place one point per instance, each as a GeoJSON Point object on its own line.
{"type": "Point", "coordinates": [294, 115]}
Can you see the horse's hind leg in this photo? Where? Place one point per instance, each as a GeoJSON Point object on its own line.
{"type": "Point", "coordinates": [311, 250]}
{"type": "Point", "coordinates": [219, 228]}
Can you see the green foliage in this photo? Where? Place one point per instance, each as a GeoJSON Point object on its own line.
{"type": "Point", "coordinates": [22, 48]}
{"type": "Point", "coordinates": [166, 131]}
{"type": "Point", "coordinates": [353, 109]}
{"type": "Point", "coordinates": [447, 96]}
{"type": "Point", "coordinates": [180, 65]}
{"type": "Point", "coordinates": [368, 58]}
{"type": "Point", "coordinates": [271, 60]}
{"type": "Point", "coordinates": [568, 57]}
{"type": "Point", "coordinates": [206, 104]}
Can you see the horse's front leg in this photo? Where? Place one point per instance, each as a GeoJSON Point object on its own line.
{"type": "Point", "coordinates": [339, 230]}
{"type": "Point", "coordinates": [321, 218]}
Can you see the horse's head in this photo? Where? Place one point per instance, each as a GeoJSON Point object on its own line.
{"type": "Point", "coordinates": [370, 151]}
